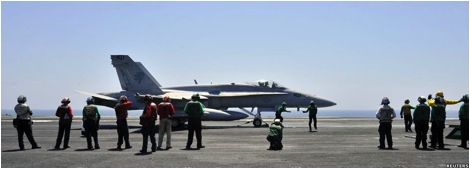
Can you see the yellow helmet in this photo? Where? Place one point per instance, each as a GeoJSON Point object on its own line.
{"type": "Point", "coordinates": [439, 93]}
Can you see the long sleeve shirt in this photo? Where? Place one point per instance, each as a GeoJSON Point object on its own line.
{"type": "Point", "coordinates": [385, 114]}
{"type": "Point", "coordinates": [165, 110]}
{"type": "Point", "coordinates": [406, 109]}
{"type": "Point", "coordinates": [280, 110]}
{"type": "Point", "coordinates": [64, 112]}
{"type": "Point", "coordinates": [194, 109]}
{"type": "Point", "coordinates": [150, 111]}
{"type": "Point", "coordinates": [121, 110]}
{"type": "Point", "coordinates": [90, 112]}
{"type": "Point", "coordinates": [422, 113]}
{"type": "Point", "coordinates": [432, 102]}
{"type": "Point", "coordinates": [463, 112]}
{"type": "Point", "coordinates": [275, 130]}
{"type": "Point", "coordinates": [23, 111]}
{"type": "Point", "coordinates": [438, 113]}
{"type": "Point", "coordinates": [312, 110]}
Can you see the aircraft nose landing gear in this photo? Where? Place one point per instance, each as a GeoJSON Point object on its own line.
{"type": "Point", "coordinates": [257, 122]}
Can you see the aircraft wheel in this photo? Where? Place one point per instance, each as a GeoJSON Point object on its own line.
{"type": "Point", "coordinates": [175, 123]}
{"type": "Point", "coordinates": [257, 122]}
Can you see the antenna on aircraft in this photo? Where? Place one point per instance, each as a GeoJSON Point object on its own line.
{"type": "Point", "coordinates": [195, 81]}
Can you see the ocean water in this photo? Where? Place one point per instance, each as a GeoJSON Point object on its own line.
{"type": "Point", "coordinates": [321, 113]}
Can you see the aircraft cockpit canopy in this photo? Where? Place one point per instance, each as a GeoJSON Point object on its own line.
{"type": "Point", "coordinates": [269, 84]}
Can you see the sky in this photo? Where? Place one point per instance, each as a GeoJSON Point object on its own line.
{"type": "Point", "coordinates": [352, 53]}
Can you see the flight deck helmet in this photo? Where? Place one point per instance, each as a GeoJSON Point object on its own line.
{"type": "Point", "coordinates": [21, 99]}
{"type": "Point", "coordinates": [421, 99]}
{"type": "Point", "coordinates": [166, 98]}
{"type": "Point", "coordinates": [385, 101]}
{"type": "Point", "coordinates": [284, 104]}
{"type": "Point", "coordinates": [65, 100]}
{"type": "Point", "coordinates": [312, 103]}
{"type": "Point", "coordinates": [195, 97]}
{"type": "Point", "coordinates": [465, 98]}
{"type": "Point", "coordinates": [123, 98]}
{"type": "Point", "coordinates": [407, 101]}
{"type": "Point", "coordinates": [90, 100]}
{"type": "Point", "coordinates": [148, 97]}
{"type": "Point", "coordinates": [439, 93]}
{"type": "Point", "coordinates": [439, 100]}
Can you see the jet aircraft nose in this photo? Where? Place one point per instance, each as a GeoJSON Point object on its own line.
{"type": "Point", "coordinates": [234, 115]}
{"type": "Point", "coordinates": [321, 102]}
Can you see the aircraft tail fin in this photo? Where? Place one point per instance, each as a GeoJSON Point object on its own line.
{"type": "Point", "coordinates": [133, 76]}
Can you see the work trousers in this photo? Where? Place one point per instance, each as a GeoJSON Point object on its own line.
{"type": "Point", "coordinates": [123, 132]}
{"type": "Point", "coordinates": [385, 129]}
{"type": "Point", "coordinates": [408, 122]}
{"type": "Point", "coordinates": [314, 119]}
{"type": "Point", "coordinates": [437, 130]}
{"type": "Point", "coordinates": [274, 143]}
{"type": "Point", "coordinates": [165, 127]}
{"type": "Point", "coordinates": [194, 125]}
{"type": "Point", "coordinates": [149, 131]}
{"type": "Point", "coordinates": [25, 128]}
{"type": "Point", "coordinates": [64, 131]}
{"type": "Point", "coordinates": [421, 129]}
{"type": "Point", "coordinates": [278, 116]}
{"type": "Point", "coordinates": [464, 132]}
{"type": "Point", "coordinates": [91, 130]}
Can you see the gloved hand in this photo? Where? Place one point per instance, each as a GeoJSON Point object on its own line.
{"type": "Point", "coordinates": [401, 116]}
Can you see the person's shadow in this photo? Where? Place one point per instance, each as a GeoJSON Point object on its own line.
{"type": "Point", "coordinates": [14, 150]}
{"type": "Point", "coordinates": [142, 154]}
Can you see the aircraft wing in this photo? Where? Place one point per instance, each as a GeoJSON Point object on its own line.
{"type": "Point", "coordinates": [98, 96]}
{"type": "Point", "coordinates": [174, 96]}
{"type": "Point", "coordinates": [242, 94]}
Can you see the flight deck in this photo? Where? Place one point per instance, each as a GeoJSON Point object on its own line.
{"type": "Point", "coordinates": [339, 142]}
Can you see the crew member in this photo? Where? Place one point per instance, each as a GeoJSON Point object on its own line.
{"type": "Point", "coordinates": [280, 110]}
{"type": "Point", "coordinates": [194, 109]}
{"type": "Point", "coordinates": [275, 135]}
{"type": "Point", "coordinates": [23, 126]}
{"type": "Point", "coordinates": [121, 121]}
{"type": "Point", "coordinates": [438, 117]}
{"type": "Point", "coordinates": [147, 120]}
{"type": "Point", "coordinates": [91, 121]}
{"type": "Point", "coordinates": [166, 111]}
{"type": "Point", "coordinates": [312, 115]}
{"type": "Point", "coordinates": [64, 112]}
{"type": "Point", "coordinates": [406, 109]}
{"type": "Point", "coordinates": [421, 120]}
{"type": "Point", "coordinates": [385, 115]}
{"type": "Point", "coordinates": [463, 116]}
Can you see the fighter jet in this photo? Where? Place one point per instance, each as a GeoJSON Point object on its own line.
{"type": "Point", "coordinates": [264, 95]}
